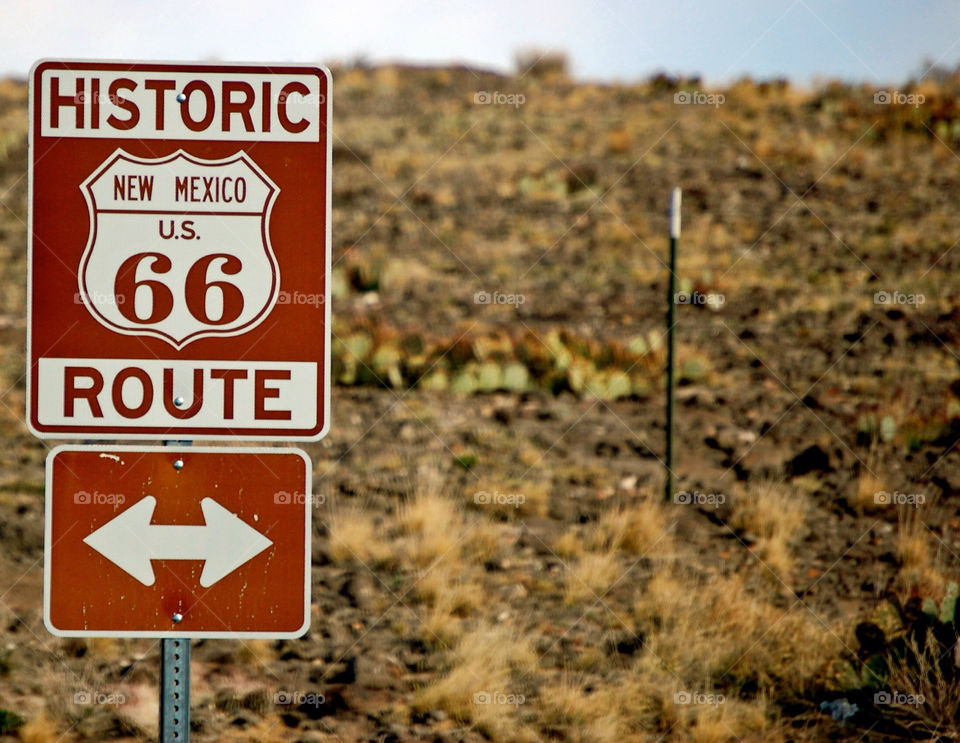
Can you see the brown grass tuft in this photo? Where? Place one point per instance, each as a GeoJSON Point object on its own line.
{"type": "Point", "coordinates": [776, 517]}
{"type": "Point", "coordinates": [634, 529]}
{"type": "Point", "coordinates": [714, 627]}
{"type": "Point", "coordinates": [39, 730]}
{"type": "Point", "coordinates": [589, 578]}
{"type": "Point", "coordinates": [481, 664]}
{"type": "Point", "coordinates": [356, 537]}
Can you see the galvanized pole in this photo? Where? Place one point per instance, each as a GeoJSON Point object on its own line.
{"type": "Point", "coordinates": [175, 669]}
{"type": "Point", "coordinates": [175, 690]}
{"type": "Point", "coordinates": [671, 341]}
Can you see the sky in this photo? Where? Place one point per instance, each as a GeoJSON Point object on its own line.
{"type": "Point", "coordinates": [875, 41]}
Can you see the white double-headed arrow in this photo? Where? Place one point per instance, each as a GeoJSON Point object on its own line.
{"type": "Point", "coordinates": [224, 542]}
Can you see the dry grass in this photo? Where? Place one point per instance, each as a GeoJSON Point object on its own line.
{"type": "Point", "coordinates": [585, 716]}
{"type": "Point", "coordinates": [637, 529]}
{"type": "Point", "coordinates": [714, 627]}
{"type": "Point", "coordinates": [530, 498]}
{"type": "Point", "coordinates": [431, 521]}
{"type": "Point", "coordinates": [570, 543]}
{"type": "Point", "coordinates": [920, 676]}
{"type": "Point", "coordinates": [450, 584]}
{"type": "Point", "coordinates": [633, 529]}
{"type": "Point", "coordinates": [441, 626]}
{"type": "Point", "coordinates": [436, 539]}
{"type": "Point", "coordinates": [39, 730]}
{"type": "Point", "coordinates": [481, 663]}
{"type": "Point", "coordinates": [619, 142]}
{"type": "Point", "coordinates": [657, 704]}
{"type": "Point", "coordinates": [734, 721]}
{"type": "Point", "coordinates": [865, 493]}
{"type": "Point", "coordinates": [355, 536]}
{"type": "Point", "coordinates": [590, 577]}
{"type": "Point", "coordinates": [433, 526]}
{"type": "Point", "coordinates": [914, 549]}
{"type": "Point", "coordinates": [776, 517]}
{"type": "Point", "coordinates": [771, 511]}
{"type": "Point", "coordinates": [483, 541]}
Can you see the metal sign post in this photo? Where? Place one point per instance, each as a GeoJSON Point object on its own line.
{"type": "Point", "coordinates": [175, 677]}
{"type": "Point", "coordinates": [175, 690]}
{"type": "Point", "coordinates": [671, 340]}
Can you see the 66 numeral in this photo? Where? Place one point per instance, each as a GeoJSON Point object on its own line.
{"type": "Point", "coordinates": [196, 289]}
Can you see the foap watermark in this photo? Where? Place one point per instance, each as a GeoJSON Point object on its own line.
{"type": "Point", "coordinates": [696, 498]}
{"type": "Point", "coordinates": [483, 498]}
{"type": "Point", "coordinates": [102, 97]}
{"type": "Point", "coordinates": [88, 698]}
{"type": "Point", "coordinates": [698, 697]}
{"type": "Point", "coordinates": [98, 299]}
{"type": "Point", "coordinates": [283, 498]}
{"type": "Point", "coordinates": [711, 299]}
{"type": "Point", "coordinates": [304, 99]}
{"type": "Point", "coordinates": [896, 98]}
{"type": "Point", "coordinates": [497, 98]}
{"type": "Point", "coordinates": [898, 699]}
{"type": "Point", "coordinates": [301, 298]}
{"type": "Point", "coordinates": [698, 98]}
{"type": "Point", "coordinates": [96, 498]}
{"type": "Point", "coordinates": [299, 698]}
{"type": "Point", "coordinates": [499, 298]}
{"type": "Point", "coordinates": [896, 498]}
{"type": "Point", "coordinates": [498, 697]}
{"type": "Point", "coordinates": [896, 297]}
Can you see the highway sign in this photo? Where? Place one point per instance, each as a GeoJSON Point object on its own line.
{"type": "Point", "coordinates": [179, 251]}
{"type": "Point", "coordinates": [177, 541]}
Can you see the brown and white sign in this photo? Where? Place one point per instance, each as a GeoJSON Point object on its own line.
{"type": "Point", "coordinates": [179, 251]}
{"type": "Point", "coordinates": [166, 541]}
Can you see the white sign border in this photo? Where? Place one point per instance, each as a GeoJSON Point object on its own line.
{"type": "Point", "coordinates": [107, 435]}
{"type": "Point", "coordinates": [118, 449]}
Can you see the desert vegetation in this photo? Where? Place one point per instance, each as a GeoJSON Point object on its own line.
{"type": "Point", "coordinates": [493, 556]}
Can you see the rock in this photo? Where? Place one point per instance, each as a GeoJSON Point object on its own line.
{"type": "Point", "coordinates": [811, 459]}
{"type": "Point", "coordinates": [345, 673]}
{"type": "Point", "coordinates": [627, 644]}
{"type": "Point", "coordinates": [606, 449]}
{"type": "Point", "coordinates": [871, 638]}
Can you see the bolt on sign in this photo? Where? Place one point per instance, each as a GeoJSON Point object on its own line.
{"type": "Point", "coordinates": [177, 541]}
{"type": "Point", "coordinates": [179, 251]}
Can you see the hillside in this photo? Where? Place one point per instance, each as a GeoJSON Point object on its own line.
{"type": "Point", "coordinates": [493, 556]}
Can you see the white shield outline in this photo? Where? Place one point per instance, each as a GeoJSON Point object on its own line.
{"type": "Point", "coordinates": [86, 189]}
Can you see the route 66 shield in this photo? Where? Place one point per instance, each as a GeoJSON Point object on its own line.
{"type": "Point", "coordinates": [179, 247]}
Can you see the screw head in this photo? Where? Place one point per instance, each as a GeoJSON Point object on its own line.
{"type": "Point", "coordinates": [178, 464]}
{"type": "Point", "coordinates": [177, 617]}
{"type": "Point", "coordinates": [181, 97]}
{"type": "Point", "coordinates": [178, 401]}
